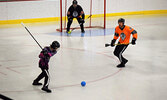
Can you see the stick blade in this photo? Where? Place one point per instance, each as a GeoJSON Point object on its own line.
{"type": "Point", "coordinates": [106, 45]}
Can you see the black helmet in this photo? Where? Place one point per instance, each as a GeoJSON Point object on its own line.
{"type": "Point", "coordinates": [55, 44]}
{"type": "Point", "coordinates": [121, 20]}
{"type": "Point", "coordinates": [74, 2]}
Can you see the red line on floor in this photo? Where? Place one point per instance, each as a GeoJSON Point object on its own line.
{"type": "Point", "coordinates": [3, 73]}
{"type": "Point", "coordinates": [13, 70]}
{"type": "Point", "coordinates": [72, 85]}
{"type": "Point", "coordinates": [19, 66]}
{"type": "Point", "coordinates": [6, 60]}
{"type": "Point", "coordinates": [18, 0]}
{"type": "Point", "coordinates": [105, 77]}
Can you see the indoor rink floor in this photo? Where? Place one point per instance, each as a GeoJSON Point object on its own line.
{"type": "Point", "coordinates": [83, 57]}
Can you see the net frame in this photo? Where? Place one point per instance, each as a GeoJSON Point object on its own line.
{"type": "Point", "coordinates": [90, 13]}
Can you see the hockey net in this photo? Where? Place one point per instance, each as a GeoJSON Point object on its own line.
{"type": "Point", "coordinates": [96, 8]}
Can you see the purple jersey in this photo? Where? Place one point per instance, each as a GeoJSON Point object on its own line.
{"type": "Point", "coordinates": [44, 60]}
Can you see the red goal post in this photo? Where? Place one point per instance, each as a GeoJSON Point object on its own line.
{"type": "Point", "coordinates": [96, 8]}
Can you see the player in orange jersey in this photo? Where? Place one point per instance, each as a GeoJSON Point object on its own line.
{"type": "Point", "coordinates": [124, 32]}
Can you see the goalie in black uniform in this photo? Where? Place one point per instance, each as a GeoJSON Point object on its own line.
{"type": "Point", "coordinates": [75, 11]}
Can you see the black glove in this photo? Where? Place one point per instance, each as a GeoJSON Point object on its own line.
{"type": "Point", "coordinates": [45, 53]}
{"type": "Point", "coordinates": [113, 43]}
{"type": "Point", "coordinates": [133, 41]}
{"type": "Point", "coordinates": [82, 20]}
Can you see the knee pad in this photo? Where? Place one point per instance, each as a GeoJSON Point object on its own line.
{"type": "Point", "coordinates": [69, 22]}
{"type": "Point", "coordinates": [115, 53]}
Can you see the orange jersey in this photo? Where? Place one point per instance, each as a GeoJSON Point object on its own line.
{"type": "Point", "coordinates": [124, 34]}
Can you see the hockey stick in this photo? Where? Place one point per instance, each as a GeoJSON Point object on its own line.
{"type": "Point", "coordinates": [31, 34]}
{"type": "Point", "coordinates": [106, 45]}
{"type": "Point", "coordinates": [78, 25]}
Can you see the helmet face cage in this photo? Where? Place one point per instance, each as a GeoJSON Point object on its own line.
{"type": "Point", "coordinates": [121, 20]}
{"type": "Point", "coordinates": [74, 2]}
{"type": "Point", "coordinates": [55, 45]}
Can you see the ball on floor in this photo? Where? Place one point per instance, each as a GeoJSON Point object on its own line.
{"type": "Point", "coordinates": [83, 83]}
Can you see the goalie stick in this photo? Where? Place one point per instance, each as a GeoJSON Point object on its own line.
{"type": "Point", "coordinates": [78, 25]}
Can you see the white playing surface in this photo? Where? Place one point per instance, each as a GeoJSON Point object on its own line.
{"type": "Point", "coordinates": [86, 58]}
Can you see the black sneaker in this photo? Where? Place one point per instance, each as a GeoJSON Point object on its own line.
{"type": "Point", "coordinates": [46, 89]}
{"type": "Point", "coordinates": [121, 65]}
{"type": "Point", "coordinates": [83, 31]}
{"type": "Point", "coordinates": [125, 61]}
{"type": "Point", "coordinates": [36, 83]}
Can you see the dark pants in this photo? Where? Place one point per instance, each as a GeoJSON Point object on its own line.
{"type": "Point", "coordinates": [44, 74]}
{"type": "Point", "coordinates": [119, 49]}
{"type": "Point", "coordinates": [70, 20]}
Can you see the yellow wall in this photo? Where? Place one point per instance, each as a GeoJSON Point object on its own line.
{"type": "Point", "coordinates": [49, 19]}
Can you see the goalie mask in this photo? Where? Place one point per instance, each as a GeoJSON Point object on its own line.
{"type": "Point", "coordinates": [74, 3]}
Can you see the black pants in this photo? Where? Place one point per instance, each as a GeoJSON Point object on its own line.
{"type": "Point", "coordinates": [119, 49]}
{"type": "Point", "coordinates": [70, 20]}
{"type": "Point", "coordinates": [44, 74]}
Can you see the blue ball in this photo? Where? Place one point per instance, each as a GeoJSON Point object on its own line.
{"type": "Point", "coordinates": [83, 83]}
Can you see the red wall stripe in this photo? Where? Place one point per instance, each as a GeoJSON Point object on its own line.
{"type": "Point", "coordinates": [17, 0]}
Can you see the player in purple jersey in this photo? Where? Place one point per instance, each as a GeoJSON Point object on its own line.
{"type": "Point", "coordinates": [44, 56]}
